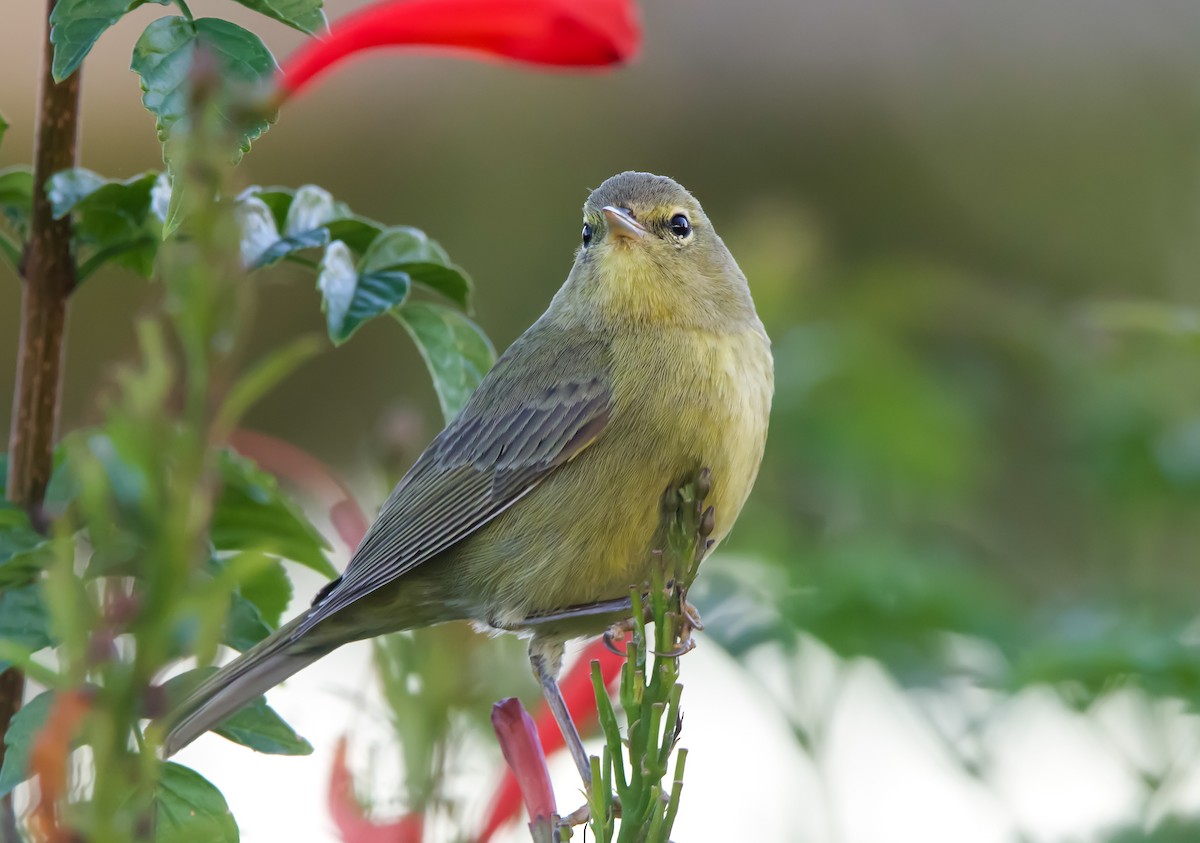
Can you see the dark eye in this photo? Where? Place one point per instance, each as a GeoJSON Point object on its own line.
{"type": "Point", "coordinates": [587, 234]}
{"type": "Point", "coordinates": [680, 226]}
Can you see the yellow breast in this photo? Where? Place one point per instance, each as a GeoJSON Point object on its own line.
{"type": "Point", "coordinates": [706, 402]}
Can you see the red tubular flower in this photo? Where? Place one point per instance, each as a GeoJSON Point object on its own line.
{"type": "Point", "coordinates": [519, 742]}
{"type": "Point", "coordinates": [577, 691]}
{"type": "Point", "coordinates": [352, 823]}
{"type": "Point", "coordinates": [556, 33]}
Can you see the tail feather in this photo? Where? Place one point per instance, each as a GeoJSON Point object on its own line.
{"type": "Point", "coordinates": [254, 672]}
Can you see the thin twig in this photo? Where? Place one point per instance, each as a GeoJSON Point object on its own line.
{"type": "Point", "coordinates": [48, 269]}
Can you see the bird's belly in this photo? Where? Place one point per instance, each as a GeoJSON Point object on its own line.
{"type": "Point", "coordinates": [712, 415]}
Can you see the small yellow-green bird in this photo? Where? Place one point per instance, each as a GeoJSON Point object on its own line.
{"type": "Point", "coordinates": [535, 510]}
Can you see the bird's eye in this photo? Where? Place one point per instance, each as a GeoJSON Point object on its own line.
{"type": "Point", "coordinates": [680, 226]}
{"type": "Point", "coordinates": [587, 234]}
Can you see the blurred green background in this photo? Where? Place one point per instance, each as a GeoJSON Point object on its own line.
{"type": "Point", "coordinates": [972, 229]}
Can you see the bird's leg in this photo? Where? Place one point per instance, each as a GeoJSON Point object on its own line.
{"type": "Point", "coordinates": [546, 659]}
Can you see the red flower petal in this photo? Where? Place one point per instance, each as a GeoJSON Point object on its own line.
{"type": "Point", "coordinates": [519, 742]}
{"type": "Point", "coordinates": [558, 33]}
{"type": "Point", "coordinates": [352, 823]}
{"type": "Point", "coordinates": [577, 691]}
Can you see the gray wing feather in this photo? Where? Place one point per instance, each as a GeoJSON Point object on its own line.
{"type": "Point", "coordinates": [494, 453]}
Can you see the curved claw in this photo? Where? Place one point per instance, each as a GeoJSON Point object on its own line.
{"type": "Point", "coordinates": [610, 643]}
{"type": "Point", "coordinates": [685, 647]}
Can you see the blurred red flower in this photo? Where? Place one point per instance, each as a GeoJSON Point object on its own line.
{"type": "Point", "coordinates": [352, 822]}
{"type": "Point", "coordinates": [556, 33]}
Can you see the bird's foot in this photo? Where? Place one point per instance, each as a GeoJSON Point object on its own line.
{"type": "Point", "coordinates": [687, 643]}
{"type": "Point", "coordinates": [690, 623]}
{"type": "Point", "coordinates": [583, 814]}
{"type": "Point", "coordinates": [617, 632]}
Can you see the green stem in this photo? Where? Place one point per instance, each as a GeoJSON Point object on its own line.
{"type": "Point", "coordinates": [48, 270]}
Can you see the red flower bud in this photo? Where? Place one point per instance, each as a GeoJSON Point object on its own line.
{"type": "Point", "coordinates": [523, 751]}
{"type": "Point", "coordinates": [557, 33]}
{"type": "Point", "coordinates": [577, 692]}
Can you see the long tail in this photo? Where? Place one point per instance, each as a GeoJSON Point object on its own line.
{"type": "Point", "coordinates": [258, 669]}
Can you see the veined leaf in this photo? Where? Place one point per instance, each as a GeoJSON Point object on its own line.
{"type": "Point", "coordinates": [16, 194]}
{"type": "Point", "coordinates": [76, 25]}
{"type": "Point", "coordinates": [187, 807]}
{"type": "Point", "coordinates": [23, 619]}
{"type": "Point", "coordinates": [162, 58]}
{"type": "Point", "coordinates": [22, 549]}
{"type": "Point", "coordinates": [304, 15]}
{"type": "Point", "coordinates": [455, 349]}
{"type": "Point", "coordinates": [67, 187]}
{"type": "Point", "coordinates": [256, 726]}
{"type": "Point", "coordinates": [18, 741]}
{"type": "Point", "coordinates": [113, 219]}
{"type": "Point", "coordinates": [356, 232]}
{"type": "Point", "coordinates": [253, 514]}
{"type": "Point", "coordinates": [410, 250]}
{"type": "Point", "coordinates": [396, 259]}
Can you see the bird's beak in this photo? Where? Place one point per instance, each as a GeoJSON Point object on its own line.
{"type": "Point", "coordinates": [622, 224]}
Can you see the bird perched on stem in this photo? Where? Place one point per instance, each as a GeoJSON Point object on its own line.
{"type": "Point", "coordinates": [536, 509]}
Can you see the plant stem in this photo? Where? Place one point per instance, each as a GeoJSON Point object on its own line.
{"type": "Point", "coordinates": [48, 270]}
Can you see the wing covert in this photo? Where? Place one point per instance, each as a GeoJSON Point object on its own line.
{"type": "Point", "coordinates": [506, 440]}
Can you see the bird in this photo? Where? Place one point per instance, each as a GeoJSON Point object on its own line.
{"type": "Point", "coordinates": [534, 511]}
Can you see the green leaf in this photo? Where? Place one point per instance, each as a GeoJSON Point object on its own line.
{"type": "Point", "coordinates": [350, 299]}
{"type": "Point", "coordinates": [455, 349]}
{"type": "Point", "coordinates": [356, 232]}
{"type": "Point", "coordinates": [277, 221]}
{"type": "Point", "coordinates": [241, 622]}
{"type": "Point", "coordinates": [244, 625]}
{"type": "Point", "coordinates": [308, 211]}
{"type": "Point", "coordinates": [3, 127]}
{"type": "Point", "coordinates": [22, 549]}
{"type": "Point", "coordinates": [256, 726]}
{"type": "Point", "coordinates": [16, 194]}
{"type": "Point", "coordinates": [311, 207]}
{"type": "Point", "coordinates": [23, 618]}
{"type": "Point", "coordinates": [189, 808]}
{"type": "Point", "coordinates": [270, 592]}
{"type": "Point", "coordinates": [253, 514]}
{"type": "Point", "coordinates": [112, 218]}
{"type": "Point", "coordinates": [67, 187]}
{"type": "Point", "coordinates": [396, 259]}
{"type": "Point", "coordinates": [162, 58]}
{"type": "Point", "coordinates": [315, 239]}
{"type": "Point", "coordinates": [22, 730]}
{"type": "Point", "coordinates": [258, 231]}
{"type": "Point", "coordinates": [304, 15]}
{"type": "Point", "coordinates": [410, 250]}
{"type": "Point", "coordinates": [76, 25]}
{"type": "Point", "coordinates": [278, 199]}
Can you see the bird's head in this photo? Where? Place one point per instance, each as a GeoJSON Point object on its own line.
{"type": "Point", "coordinates": [650, 254]}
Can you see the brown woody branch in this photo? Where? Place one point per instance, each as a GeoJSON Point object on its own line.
{"type": "Point", "coordinates": [48, 270]}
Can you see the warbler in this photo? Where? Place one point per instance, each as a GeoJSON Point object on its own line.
{"type": "Point", "coordinates": [535, 510]}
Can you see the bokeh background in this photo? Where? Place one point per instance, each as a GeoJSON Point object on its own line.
{"type": "Point", "coordinates": [960, 605]}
